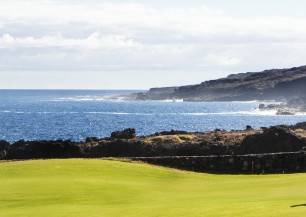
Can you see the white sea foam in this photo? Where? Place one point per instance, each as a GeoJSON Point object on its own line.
{"type": "Point", "coordinates": [267, 102]}
{"type": "Point", "coordinates": [5, 111]}
{"type": "Point", "coordinates": [171, 100]}
{"type": "Point", "coordinates": [15, 112]}
{"type": "Point", "coordinates": [108, 113]}
{"type": "Point", "coordinates": [87, 98]}
{"type": "Point", "coordinates": [254, 112]}
{"type": "Point", "coordinates": [119, 113]}
{"type": "Point", "coordinates": [245, 102]}
{"type": "Point", "coordinates": [301, 114]}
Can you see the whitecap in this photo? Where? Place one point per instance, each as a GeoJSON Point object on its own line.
{"type": "Point", "coordinates": [254, 112]}
{"type": "Point", "coordinates": [5, 111]}
{"type": "Point", "coordinates": [119, 113]}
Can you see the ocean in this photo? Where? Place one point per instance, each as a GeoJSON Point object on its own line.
{"type": "Point", "coordinates": [77, 114]}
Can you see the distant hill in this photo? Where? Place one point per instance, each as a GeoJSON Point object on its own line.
{"type": "Point", "coordinates": [275, 84]}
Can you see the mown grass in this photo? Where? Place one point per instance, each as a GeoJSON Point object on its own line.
{"type": "Point", "coordinates": [112, 188]}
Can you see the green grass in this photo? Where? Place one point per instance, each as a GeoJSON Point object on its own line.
{"type": "Point", "coordinates": [110, 188]}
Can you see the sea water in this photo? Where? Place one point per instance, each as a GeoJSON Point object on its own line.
{"type": "Point", "coordinates": [77, 114]}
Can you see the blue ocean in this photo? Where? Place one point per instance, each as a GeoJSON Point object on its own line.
{"type": "Point", "coordinates": [77, 114]}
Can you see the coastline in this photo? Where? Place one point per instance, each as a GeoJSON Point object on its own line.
{"type": "Point", "coordinates": [278, 149]}
{"type": "Point", "coordinates": [125, 143]}
{"type": "Point", "coordinates": [278, 107]}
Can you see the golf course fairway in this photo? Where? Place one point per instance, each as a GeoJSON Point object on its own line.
{"type": "Point", "coordinates": [89, 188]}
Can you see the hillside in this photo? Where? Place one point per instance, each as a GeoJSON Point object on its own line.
{"type": "Point", "coordinates": [275, 84]}
{"type": "Point", "coordinates": [110, 188]}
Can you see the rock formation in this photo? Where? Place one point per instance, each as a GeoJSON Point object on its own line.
{"type": "Point", "coordinates": [173, 143]}
{"type": "Point", "coordinates": [287, 85]}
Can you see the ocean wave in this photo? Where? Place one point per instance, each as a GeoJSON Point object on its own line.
{"type": "Point", "coordinates": [5, 111]}
{"type": "Point", "coordinates": [255, 112]}
{"type": "Point", "coordinates": [267, 102]}
{"type": "Point", "coordinates": [301, 114]}
{"type": "Point", "coordinates": [86, 99]}
{"type": "Point", "coordinates": [75, 99]}
{"type": "Point", "coordinates": [171, 100]}
{"type": "Point", "coordinates": [120, 113]}
{"type": "Point", "coordinates": [15, 112]}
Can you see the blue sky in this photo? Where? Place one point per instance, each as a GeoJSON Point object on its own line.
{"type": "Point", "coordinates": [141, 44]}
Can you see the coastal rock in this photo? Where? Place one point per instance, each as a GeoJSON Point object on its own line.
{"type": "Point", "coordinates": [91, 139]}
{"type": "Point", "coordinates": [172, 143]}
{"type": "Point", "coordinates": [249, 128]}
{"type": "Point", "coordinates": [298, 102]}
{"type": "Point", "coordinates": [125, 134]}
{"type": "Point", "coordinates": [275, 84]}
{"type": "Point", "coordinates": [272, 140]}
{"type": "Point", "coordinates": [43, 150]}
{"type": "Point", "coordinates": [141, 96]}
{"type": "Point", "coordinates": [284, 112]}
{"type": "Point", "coordinates": [262, 106]}
{"type": "Point", "coordinates": [301, 125]}
{"type": "Point", "coordinates": [19, 144]}
{"type": "Point", "coordinates": [172, 132]}
{"type": "Point", "coordinates": [285, 85]}
{"type": "Point", "coordinates": [4, 146]}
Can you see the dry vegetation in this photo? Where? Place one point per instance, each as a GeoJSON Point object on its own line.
{"type": "Point", "coordinates": [171, 139]}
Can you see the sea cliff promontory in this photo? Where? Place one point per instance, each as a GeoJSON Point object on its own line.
{"type": "Point", "coordinates": [282, 85]}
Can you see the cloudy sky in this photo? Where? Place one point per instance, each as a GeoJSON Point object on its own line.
{"type": "Point", "coordinates": [137, 44]}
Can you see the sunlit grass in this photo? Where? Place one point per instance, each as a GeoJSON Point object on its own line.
{"type": "Point", "coordinates": [113, 188]}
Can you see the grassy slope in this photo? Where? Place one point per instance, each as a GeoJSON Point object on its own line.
{"type": "Point", "coordinates": [111, 188]}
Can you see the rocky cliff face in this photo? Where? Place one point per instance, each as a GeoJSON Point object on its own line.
{"type": "Point", "coordinates": [275, 84]}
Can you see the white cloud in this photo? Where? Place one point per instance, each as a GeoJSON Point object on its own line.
{"type": "Point", "coordinates": [56, 35]}
{"type": "Point", "coordinates": [139, 18]}
{"type": "Point", "coordinates": [94, 41]}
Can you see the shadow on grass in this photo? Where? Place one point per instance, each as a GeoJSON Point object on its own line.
{"type": "Point", "coordinates": [299, 205]}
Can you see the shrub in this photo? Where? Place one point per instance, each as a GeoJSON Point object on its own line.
{"type": "Point", "coordinates": [170, 139]}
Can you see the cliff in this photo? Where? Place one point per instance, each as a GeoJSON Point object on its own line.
{"type": "Point", "coordinates": [275, 84]}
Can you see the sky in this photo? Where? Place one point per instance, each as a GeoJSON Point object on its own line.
{"type": "Point", "coordinates": [138, 44]}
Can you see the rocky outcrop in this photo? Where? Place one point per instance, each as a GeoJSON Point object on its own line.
{"type": "Point", "coordinates": [217, 151]}
{"type": "Point", "coordinates": [301, 125]}
{"type": "Point", "coordinates": [298, 102]}
{"type": "Point", "coordinates": [125, 134]}
{"type": "Point", "coordinates": [272, 140]}
{"type": "Point", "coordinates": [4, 147]}
{"type": "Point", "coordinates": [171, 143]}
{"type": "Point", "coordinates": [275, 84]}
{"type": "Point", "coordinates": [43, 150]}
{"type": "Point", "coordinates": [172, 132]}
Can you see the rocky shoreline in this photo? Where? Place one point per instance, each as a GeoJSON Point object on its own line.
{"type": "Point", "coordinates": [292, 107]}
{"type": "Point", "coordinates": [123, 144]}
{"type": "Point", "coordinates": [283, 85]}
{"type": "Point", "coordinates": [281, 109]}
